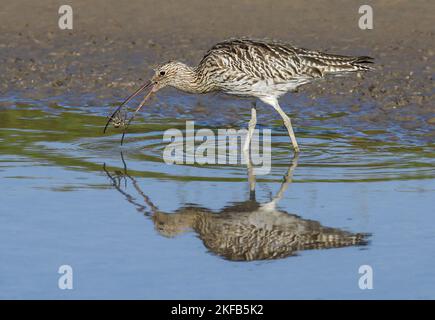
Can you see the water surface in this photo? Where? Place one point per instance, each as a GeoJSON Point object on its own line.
{"type": "Point", "coordinates": [133, 227]}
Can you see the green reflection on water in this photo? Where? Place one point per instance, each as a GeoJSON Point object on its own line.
{"type": "Point", "coordinates": [28, 132]}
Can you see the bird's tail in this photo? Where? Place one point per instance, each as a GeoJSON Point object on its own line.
{"type": "Point", "coordinates": [340, 64]}
{"type": "Point", "coordinates": [362, 63]}
{"type": "Point", "coordinates": [326, 63]}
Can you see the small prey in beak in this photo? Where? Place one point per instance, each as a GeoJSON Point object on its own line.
{"type": "Point", "coordinates": [119, 118]}
{"type": "Point", "coordinates": [173, 74]}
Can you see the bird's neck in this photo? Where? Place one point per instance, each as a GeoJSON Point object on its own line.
{"type": "Point", "coordinates": [191, 80]}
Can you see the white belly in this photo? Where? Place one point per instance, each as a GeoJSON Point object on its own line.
{"type": "Point", "coordinates": [262, 88]}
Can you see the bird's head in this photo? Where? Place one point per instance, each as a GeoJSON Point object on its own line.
{"type": "Point", "coordinates": [174, 74]}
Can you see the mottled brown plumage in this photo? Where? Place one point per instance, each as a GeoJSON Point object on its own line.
{"type": "Point", "coordinates": [268, 68]}
{"type": "Point", "coordinates": [264, 69]}
{"type": "Point", "coordinates": [250, 231]}
{"type": "Point", "coordinates": [247, 230]}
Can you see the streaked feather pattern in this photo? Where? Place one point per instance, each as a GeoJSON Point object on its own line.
{"type": "Point", "coordinates": [270, 68]}
{"type": "Point", "coordinates": [245, 67]}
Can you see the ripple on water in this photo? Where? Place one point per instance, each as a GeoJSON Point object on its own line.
{"type": "Point", "coordinates": [74, 139]}
{"type": "Point", "coordinates": [338, 159]}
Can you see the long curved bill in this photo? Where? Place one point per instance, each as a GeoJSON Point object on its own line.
{"type": "Point", "coordinates": [116, 113]}
{"type": "Point", "coordinates": [134, 114]}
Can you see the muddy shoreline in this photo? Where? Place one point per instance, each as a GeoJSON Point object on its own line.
{"type": "Point", "coordinates": [113, 46]}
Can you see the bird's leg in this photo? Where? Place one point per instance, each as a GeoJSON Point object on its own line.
{"type": "Point", "coordinates": [274, 103]}
{"type": "Point", "coordinates": [284, 185]}
{"type": "Point", "coordinates": [287, 178]}
{"type": "Point", "coordinates": [251, 128]}
{"type": "Point", "coordinates": [251, 176]}
{"type": "Point", "coordinates": [291, 133]}
{"type": "Point", "coordinates": [247, 154]}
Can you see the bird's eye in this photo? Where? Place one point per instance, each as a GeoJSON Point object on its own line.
{"type": "Point", "coordinates": [162, 73]}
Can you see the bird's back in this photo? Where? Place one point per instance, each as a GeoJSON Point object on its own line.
{"type": "Point", "coordinates": [264, 68]}
{"type": "Point", "coordinates": [248, 231]}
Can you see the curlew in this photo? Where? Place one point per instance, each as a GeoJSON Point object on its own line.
{"type": "Point", "coordinates": [262, 69]}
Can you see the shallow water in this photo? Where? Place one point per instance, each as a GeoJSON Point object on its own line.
{"type": "Point", "coordinates": [133, 227]}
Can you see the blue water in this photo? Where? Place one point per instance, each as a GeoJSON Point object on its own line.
{"type": "Point", "coordinates": [59, 207]}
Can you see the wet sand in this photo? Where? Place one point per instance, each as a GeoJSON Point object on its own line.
{"type": "Point", "coordinates": [113, 46]}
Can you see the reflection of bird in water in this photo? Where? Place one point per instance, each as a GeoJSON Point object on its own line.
{"type": "Point", "coordinates": [247, 230]}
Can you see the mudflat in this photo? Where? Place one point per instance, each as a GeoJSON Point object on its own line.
{"type": "Point", "coordinates": [113, 46]}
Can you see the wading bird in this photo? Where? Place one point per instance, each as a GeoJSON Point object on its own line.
{"type": "Point", "coordinates": [251, 68]}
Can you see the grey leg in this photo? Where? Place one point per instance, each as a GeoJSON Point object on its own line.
{"type": "Point", "coordinates": [251, 127]}
{"type": "Point", "coordinates": [247, 154]}
{"type": "Point", "coordinates": [274, 103]}
{"type": "Point", "coordinates": [251, 178]}
{"type": "Point", "coordinates": [287, 180]}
